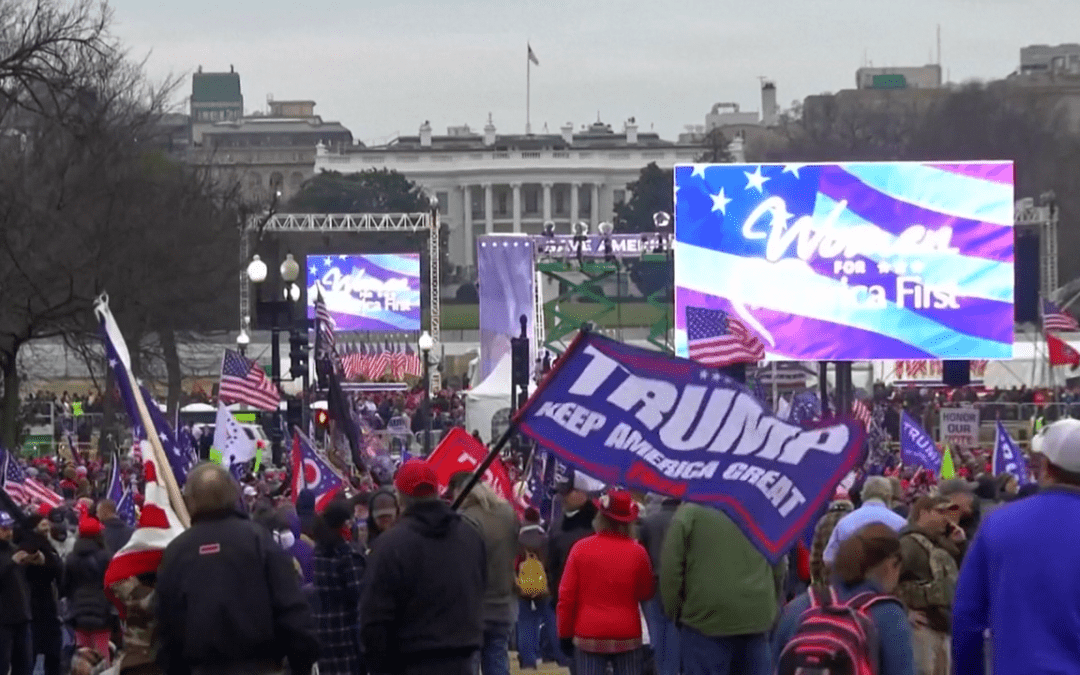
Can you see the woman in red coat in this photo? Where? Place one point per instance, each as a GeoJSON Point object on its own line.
{"type": "Point", "coordinates": [607, 577]}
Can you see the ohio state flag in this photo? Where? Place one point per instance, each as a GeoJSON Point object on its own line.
{"type": "Point", "coordinates": [1061, 354]}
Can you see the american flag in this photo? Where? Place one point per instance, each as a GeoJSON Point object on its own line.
{"type": "Point", "coordinates": [397, 363]}
{"type": "Point", "coordinates": [352, 364]}
{"type": "Point", "coordinates": [325, 326]}
{"type": "Point", "coordinates": [716, 339]}
{"type": "Point", "coordinates": [125, 508]}
{"type": "Point", "coordinates": [413, 364]}
{"type": "Point", "coordinates": [1055, 319]}
{"type": "Point", "coordinates": [243, 381]}
{"type": "Point", "coordinates": [21, 488]}
{"type": "Point", "coordinates": [862, 413]}
{"type": "Point", "coordinates": [805, 408]}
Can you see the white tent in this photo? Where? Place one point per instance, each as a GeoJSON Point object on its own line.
{"type": "Point", "coordinates": [489, 402]}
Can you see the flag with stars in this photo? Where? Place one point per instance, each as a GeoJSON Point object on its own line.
{"type": "Point", "coordinates": [243, 381]}
{"type": "Point", "coordinates": [125, 508]}
{"type": "Point", "coordinates": [852, 261]}
{"type": "Point", "coordinates": [117, 355]}
{"type": "Point", "coordinates": [716, 339]}
{"type": "Point", "coordinates": [367, 292]}
{"type": "Point", "coordinates": [1056, 319]}
{"type": "Point", "coordinates": [22, 488]}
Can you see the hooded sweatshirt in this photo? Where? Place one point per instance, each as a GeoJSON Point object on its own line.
{"type": "Point", "coordinates": [423, 597]}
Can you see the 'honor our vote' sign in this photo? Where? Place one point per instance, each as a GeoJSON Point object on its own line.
{"type": "Point", "coordinates": [897, 260]}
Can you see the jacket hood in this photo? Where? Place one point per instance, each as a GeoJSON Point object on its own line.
{"type": "Point", "coordinates": [432, 519]}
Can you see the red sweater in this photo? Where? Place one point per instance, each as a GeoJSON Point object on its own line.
{"type": "Point", "coordinates": [606, 577]}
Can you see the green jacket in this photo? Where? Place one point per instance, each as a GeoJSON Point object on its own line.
{"type": "Point", "coordinates": [713, 580]}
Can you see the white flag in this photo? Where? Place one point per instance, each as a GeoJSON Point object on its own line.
{"type": "Point", "coordinates": [783, 408]}
{"type": "Point", "coordinates": [231, 440]}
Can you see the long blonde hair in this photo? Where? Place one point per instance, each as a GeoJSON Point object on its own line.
{"type": "Point", "coordinates": [482, 494]}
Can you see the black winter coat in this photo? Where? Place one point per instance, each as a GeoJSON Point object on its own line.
{"type": "Point", "coordinates": [43, 580]}
{"type": "Point", "coordinates": [561, 538]}
{"type": "Point", "coordinates": [117, 533]}
{"type": "Point", "coordinates": [14, 593]}
{"type": "Point", "coordinates": [226, 594]}
{"type": "Point", "coordinates": [84, 586]}
{"type": "Point", "coordinates": [424, 592]}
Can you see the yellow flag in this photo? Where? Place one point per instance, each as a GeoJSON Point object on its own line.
{"type": "Point", "coordinates": [947, 469]}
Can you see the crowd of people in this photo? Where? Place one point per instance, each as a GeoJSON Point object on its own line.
{"type": "Point", "coordinates": [391, 579]}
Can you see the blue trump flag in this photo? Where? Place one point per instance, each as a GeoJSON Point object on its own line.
{"type": "Point", "coordinates": [917, 447]}
{"type": "Point", "coordinates": [1008, 458]}
{"type": "Point", "coordinates": [652, 422]}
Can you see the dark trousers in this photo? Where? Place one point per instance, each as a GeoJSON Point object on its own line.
{"type": "Point", "coordinates": [47, 640]}
{"type": "Point", "coordinates": [15, 649]}
{"type": "Point", "coordinates": [622, 663]}
{"type": "Point", "coordinates": [456, 665]}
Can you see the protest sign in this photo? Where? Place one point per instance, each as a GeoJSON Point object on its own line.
{"type": "Point", "coordinates": [960, 427]}
{"type": "Point", "coordinates": [648, 421]}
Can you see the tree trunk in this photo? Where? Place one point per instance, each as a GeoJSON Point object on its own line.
{"type": "Point", "coordinates": [9, 404]}
{"type": "Point", "coordinates": [172, 369]}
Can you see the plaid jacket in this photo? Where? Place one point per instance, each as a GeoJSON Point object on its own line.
{"type": "Point", "coordinates": [837, 510]}
{"type": "Point", "coordinates": [338, 575]}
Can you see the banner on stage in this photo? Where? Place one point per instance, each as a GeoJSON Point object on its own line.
{"type": "Point", "coordinates": [647, 421]}
{"type": "Point", "coordinates": [917, 448]}
{"type": "Point", "coordinates": [851, 261]}
{"type": "Point", "coordinates": [367, 292]}
{"type": "Point", "coordinates": [960, 427]}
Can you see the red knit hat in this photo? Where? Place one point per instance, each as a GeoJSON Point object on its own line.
{"type": "Point", "coordinates": [416, 478]}
{"type": "Point", "coordinates": [44, 510]}
{"type": "Point", "coordinates": [89, 527]}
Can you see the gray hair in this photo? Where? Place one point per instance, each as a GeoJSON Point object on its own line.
{"type": "Point", "coordinates": [209, 488]}
{"type": "Point", "coordinates": [877, 487]}
{"type": "Point", "coordinates": [955, 486]}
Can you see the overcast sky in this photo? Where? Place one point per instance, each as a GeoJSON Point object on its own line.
{"type": "Point", "coordinates": [382, 67]}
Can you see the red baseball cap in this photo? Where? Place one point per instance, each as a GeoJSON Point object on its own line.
{"type": "Point", "coordinates": [416, 478]}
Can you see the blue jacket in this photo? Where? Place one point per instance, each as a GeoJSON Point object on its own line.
{"type": "Point", "coordinates": [894, 631]}
{"type": "Point", "coordinates": [1021, 579]}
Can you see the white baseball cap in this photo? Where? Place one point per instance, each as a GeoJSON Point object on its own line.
{"type": "Point", "coordinates": [1060, 444]}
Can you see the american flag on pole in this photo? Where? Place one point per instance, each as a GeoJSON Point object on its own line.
{"type": "Point", "coordinates": [243, 381]}
{"type": "Point", "coordinates": [1056, 319]}
{"type": "Point", "coordinates": [21, 488]}
{"type": "Point", "coordinates": [325, 327]}
{"type": "Point", "coordinates": [352, 364]}
{"type": "Point", "coordinates": [413, 364]}
{"type": "Point", "coordinates": [716, 339]}
{"type": "Point", "coordinates": [862, 413]}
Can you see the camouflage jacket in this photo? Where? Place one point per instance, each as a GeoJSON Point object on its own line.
{"type": "Point", "coordinates": [822, 531]}
{"type": "Point", "coordinates": [140, 625]}
{"type": "Point", "coordinates": [928, 578]}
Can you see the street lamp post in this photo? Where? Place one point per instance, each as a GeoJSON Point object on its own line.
{"type": "Point", "coordinates": [242, 341]}
{"type": "Point", "coordinates": [425, 343]}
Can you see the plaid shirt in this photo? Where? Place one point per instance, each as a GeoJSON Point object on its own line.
{"type": "Point", "coordinates": [338, 573]}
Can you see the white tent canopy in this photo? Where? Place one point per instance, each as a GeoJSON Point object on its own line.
{"type": "Point", "coordinates": [491, 399]}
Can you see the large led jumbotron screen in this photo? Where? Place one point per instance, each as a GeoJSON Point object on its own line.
{"type": "Point", "coordinates": [367, 292]}
{"type": "Point", "coordinates": [851, 261]}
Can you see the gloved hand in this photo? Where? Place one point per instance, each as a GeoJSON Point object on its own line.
{"type": "Point", "coordinates": [567, 646]}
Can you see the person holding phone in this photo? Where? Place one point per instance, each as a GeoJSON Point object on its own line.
{"type": "Point", "coordinates": [15, 613]}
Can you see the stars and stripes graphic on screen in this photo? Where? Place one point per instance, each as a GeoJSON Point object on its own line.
{"type": "Point", "coordinates": [717, 339]}
{"type": "Point", "coordinates": [1056, 319]}
{"type": "Point", "coordinates": [861, 412]}
{"type": "Point", "coordinates": [243, 381]}
{"type": "Point", "coordinates": [22, 488]}
{"type": "Point", "coordinates": [875, 260]}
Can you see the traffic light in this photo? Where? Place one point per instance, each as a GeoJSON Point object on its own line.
{"type": "Point", "coordinates": [322, 420]}
{"type": "Point", "coordinates": [294, 414]}
{"type": "Point", "coordinates": [298, 353]}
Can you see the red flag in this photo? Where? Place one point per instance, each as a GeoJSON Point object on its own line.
{"type": "Point", "coordinates": [1061, 354]}
{"type": "Point", "coordinates": [459, 451]}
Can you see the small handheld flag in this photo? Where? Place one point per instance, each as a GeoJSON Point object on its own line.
{"type": "Point", "coordinates": [947, 469]}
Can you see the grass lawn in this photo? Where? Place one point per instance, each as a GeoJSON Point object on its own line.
{"type": "Point", "coordinates": [628, 315]}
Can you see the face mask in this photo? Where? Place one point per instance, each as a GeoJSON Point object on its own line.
{"type": "Point", "coordinates": [285, 539]}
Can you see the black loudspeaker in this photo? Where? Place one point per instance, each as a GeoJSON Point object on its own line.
{"type": "Point", "coordinates": [1026, 273]}
{"type": "Point", "coordinates": [956, 373]}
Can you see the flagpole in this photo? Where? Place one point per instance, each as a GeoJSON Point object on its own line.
{"type": "Point", "coordinates": [164, 469]}
{"type": "Point", "coordinates": [528, 92]}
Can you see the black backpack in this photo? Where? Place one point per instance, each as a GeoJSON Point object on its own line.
{"type": "Point", "coordinates": [834, 637]}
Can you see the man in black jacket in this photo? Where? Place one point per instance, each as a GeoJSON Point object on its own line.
{"type": "Point", "coordinates": [421, 612]}
{"type": "Point", "coordinates": [228, 598]}
{"type": "Point", "coordinates": [43, 569]}
{"type": "Point", "coordinates": [14, 603]}
{"type": "Point", "coordinates": [117, 532]}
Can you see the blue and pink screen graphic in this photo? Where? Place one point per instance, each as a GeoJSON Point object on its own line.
{"type": "Point", "coordinates": [369, 292]}
{"type": "Point", "coordinates": [851, 261]}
